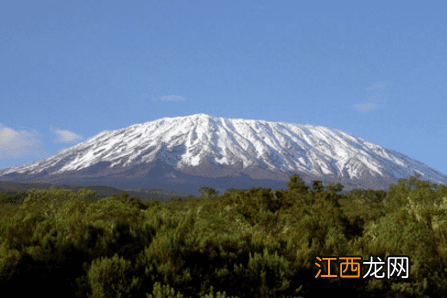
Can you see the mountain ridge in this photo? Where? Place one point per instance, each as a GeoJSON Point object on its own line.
{"type": "Point", "coordinates": [187, 152]}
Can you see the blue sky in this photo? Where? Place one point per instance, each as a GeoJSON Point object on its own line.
{"type": "Point", "coordinates": [71, 69]}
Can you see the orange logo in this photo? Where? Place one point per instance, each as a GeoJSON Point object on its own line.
{"type": "Point", "coordinates": [399, 265]}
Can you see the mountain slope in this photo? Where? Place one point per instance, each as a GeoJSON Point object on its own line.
{"type": "Point", "coordinates": [183, 153]}
{"type": "Point", "coordinates": [145, 195]}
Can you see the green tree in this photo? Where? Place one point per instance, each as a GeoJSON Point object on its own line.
{"type": "Point", "coordinates": [317, 186]}
{"type": "Point", "coordinates": [208, 192]}
{"type": "Point", "coordinates": [297, 183]}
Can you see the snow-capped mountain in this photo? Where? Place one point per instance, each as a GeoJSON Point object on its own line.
{"type": "Point", "coordinates": [186, 153]}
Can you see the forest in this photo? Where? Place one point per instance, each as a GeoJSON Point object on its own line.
{"type": "Point", "coordinates": [242, 243]}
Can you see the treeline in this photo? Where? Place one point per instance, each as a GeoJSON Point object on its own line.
{"type": "Point", "coordinates": [243, 243]}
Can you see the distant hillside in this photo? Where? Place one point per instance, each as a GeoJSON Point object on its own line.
{"type": "Point", "coordinates": [145, 194]}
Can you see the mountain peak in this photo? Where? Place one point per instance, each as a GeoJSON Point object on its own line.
{"type": "Point", "coordinates": [191, 150]}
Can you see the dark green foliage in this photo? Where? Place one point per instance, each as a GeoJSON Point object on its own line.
{"type": "Point", "coordinates": [12, 196]}
{"type": "Point", "coordinates": [136, 202]}
{"type": "Point", "coordinates": [246, 243]}
{"type": "Point", "coordinates": [176, 199]}
{"type": "Point", "coordinates": [296, 183]}
{"type": "Point", "coordinates": [208, 191]}
{"type": "Point", "coordinates": [317, 186]}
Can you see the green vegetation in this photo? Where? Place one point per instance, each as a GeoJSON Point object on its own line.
{"type": "Point", "coordinates": [243, 243]}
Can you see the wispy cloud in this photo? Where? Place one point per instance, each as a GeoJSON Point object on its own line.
{"type": "Point", "coordinates": [376, 95]}
{"type": "Point", "coordinates": [65, 136]}
{"type": "Point", "coordinates": [170, 98]}
{"type": "Point", "coordinates": [17, 144]}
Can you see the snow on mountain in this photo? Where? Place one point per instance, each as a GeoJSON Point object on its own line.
{"type": "Point", "coordinates": [199, 148]}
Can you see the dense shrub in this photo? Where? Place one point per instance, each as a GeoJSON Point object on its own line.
{"type": "Point", "coordinates": [243, 243]}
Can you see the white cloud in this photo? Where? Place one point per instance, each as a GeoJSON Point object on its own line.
{"type": "Point", "coordinates": [171, 98]}
{"type": "Point", "coordinates": [17, 144]}
{"type": "Point", "coordinates": [65, 136]}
